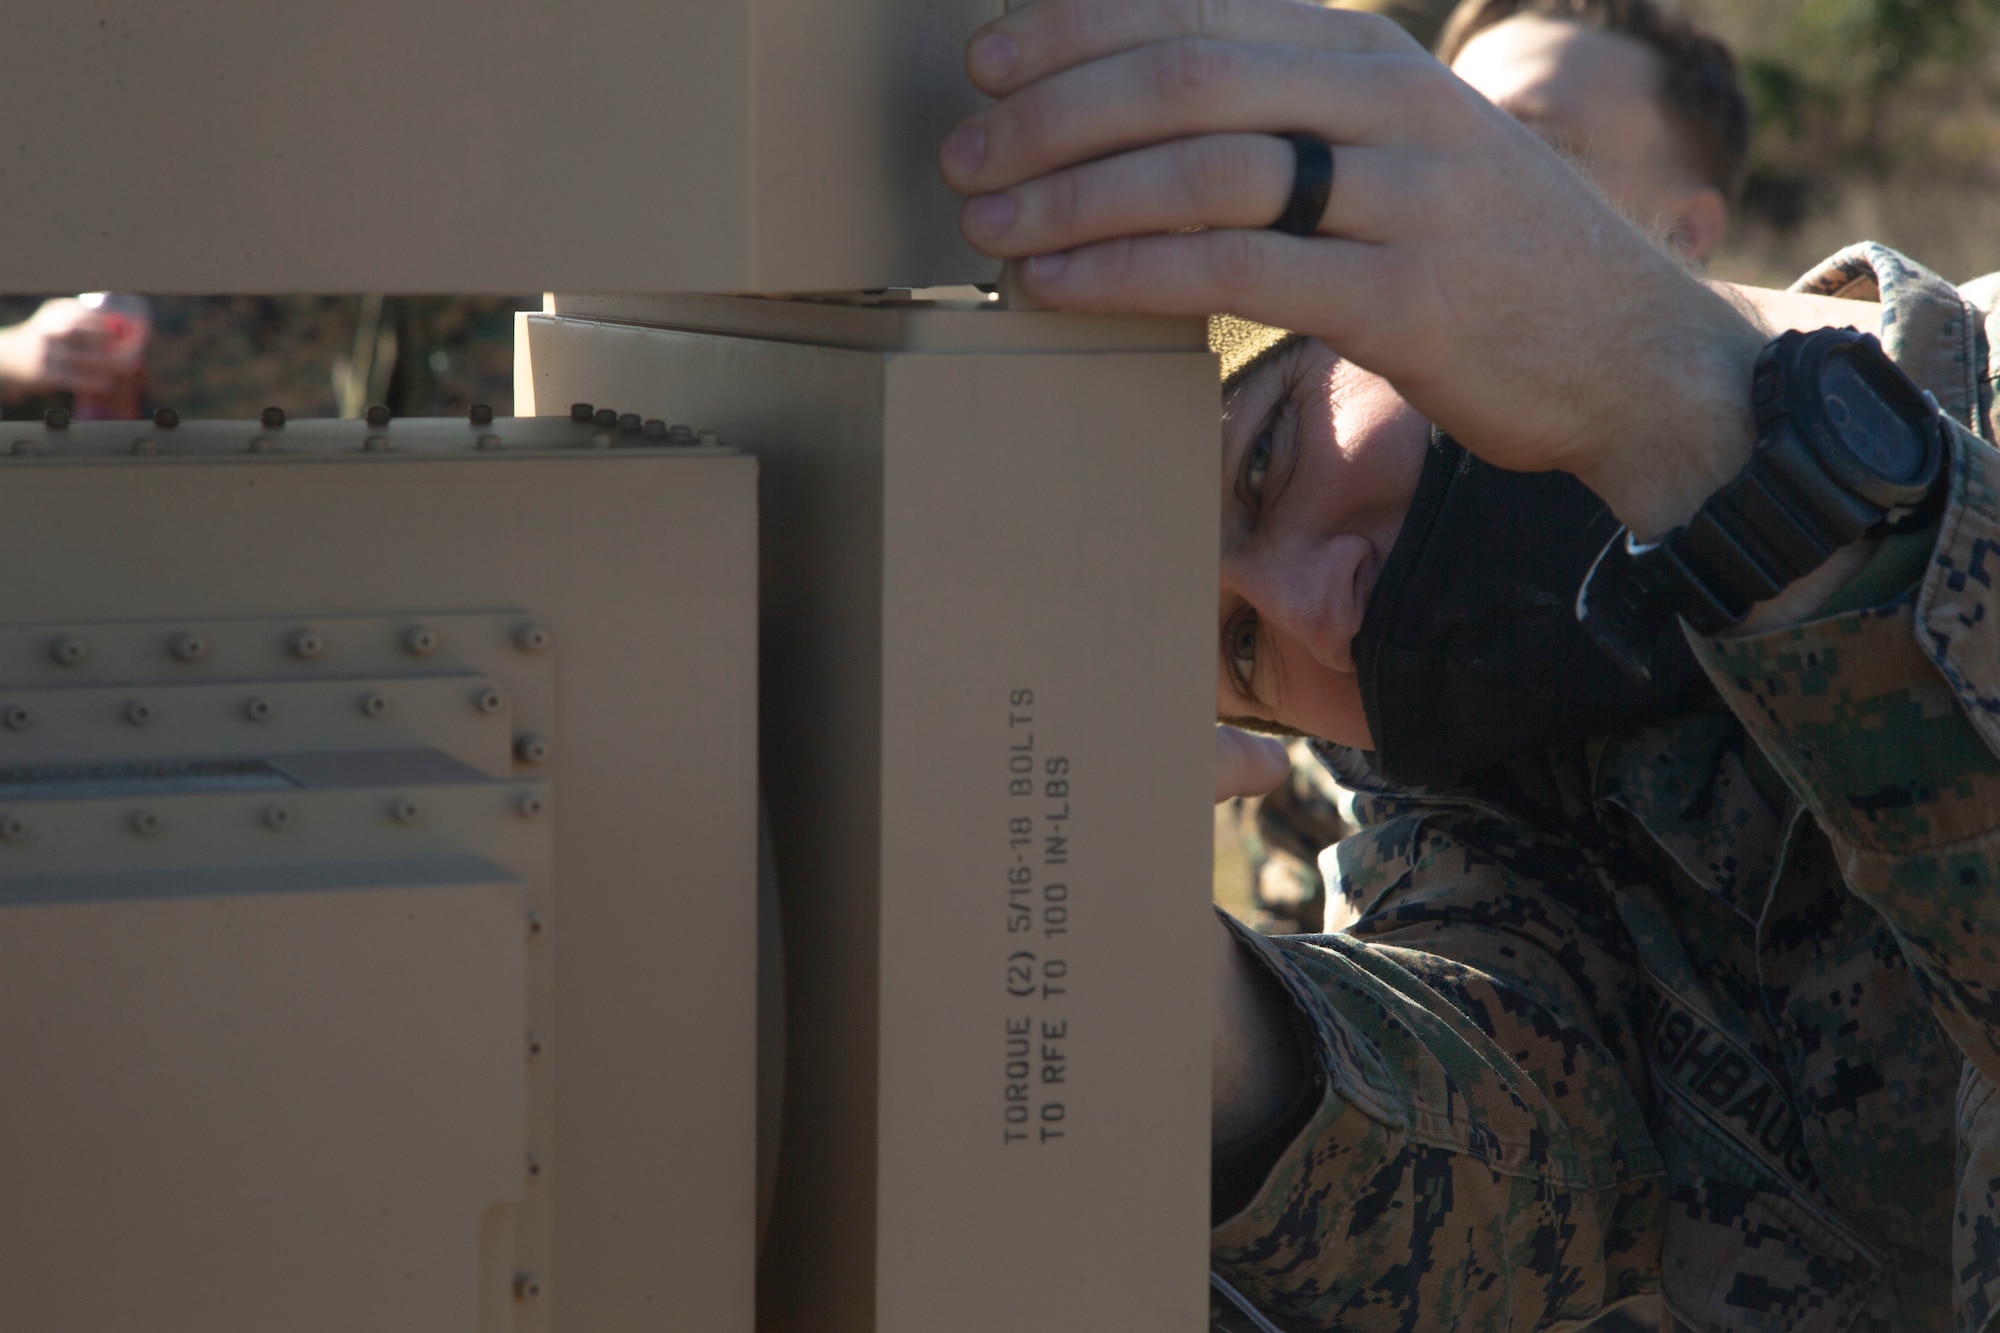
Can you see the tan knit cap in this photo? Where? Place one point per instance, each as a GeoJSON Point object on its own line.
{"type": "Point", "coordinates": [1240, 341]}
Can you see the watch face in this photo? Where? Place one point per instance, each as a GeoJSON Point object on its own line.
{"type": "Point", "coordinates": [1879, 438]}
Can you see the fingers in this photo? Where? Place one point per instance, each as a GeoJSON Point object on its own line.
{"type": "Point", "coordinates": [1177, 89]}
{"type": "Point", "coordinates": [1322, 286]}
{"type": "Point", "coordinates": [1220, 180]}
{"type": "Point", "coordinates": [1045, 37]}
{"type": "Point", "coordinates": [1247, 765]}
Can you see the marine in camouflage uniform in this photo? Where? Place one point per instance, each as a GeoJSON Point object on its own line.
{"type": "Point", "coordinates": [1711, 1008]}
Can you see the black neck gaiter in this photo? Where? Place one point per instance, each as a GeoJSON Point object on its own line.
{"type": "Point", "coordinates": [1470, 652]}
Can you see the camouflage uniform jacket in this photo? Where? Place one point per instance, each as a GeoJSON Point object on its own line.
{"type": "Point", "coordinates": [1712, 1008]}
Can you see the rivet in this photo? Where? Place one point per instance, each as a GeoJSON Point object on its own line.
{"type": "Point", "coordinates": [261, 444]}
{"type": "Point", "coordinates": [305, 644]}
{"type": "Point", "coordinates": [139, 713]}
{"type": "Point", "coordinates": [375, 704]}
{"type": "Point", "coordinates": [273, 417]}
{"type": "Point", "coordinates": [481, 414]}
{"type": "Point", "coordinates": [188, 647]}
{"type": "Point", "coordinates": [655, 429]}
{"type": "Point", "coordinates": [488, 701]}
{"type": "Point", "coordinates": [406, 810]}
{"type": "Point", "coordinates": [144, 445]}
{"type": "Point", "coordinates": [606, 418]}
{"type": "Point", "coordinates": [56, 418]}
{"type": "Point", "coordinates": [534, 1044]}
{"type": "Point", "coordinates": [16, 717]}
{"type": "Point", "coordinates": [530, 636]}
{"type": "Point", "coordinates": [530, 748]}
{"type": "Point", "coordinates": [13, 828]}
{"type": "Point", "coordinates": [279, 817]}
{"type": "Point", "coordinates": [527, 1287]}
{"type": "Point", "coordinates": [69, 651]}
{"type": "Point", "coordinates": [581, 413]}
{"type": "Point", "coordinates": [680, 435]}
{"type": "Point", "coordinates": [534, 1165]}
{"type": "Point", "coordinates": [257, 708]}
{"type": "Point", "coordinates": [488, 442]}
{"type": "Point", "coordinates": [145, 823]}
{"type": "Point", "coordinates": [378, 415]}
{"type": "Point", "coordinates": [530, 806]}
{"type": "Point", "coordinates": [375, 444]}
{"type": "Point", "coordinates": [420, 641]}
{"type": "Point", "coordinates": [24, 449]}
{"type": "Point", "coordinates": [630, 423]}
{"type": "Point", "coordinates": [166, 418]}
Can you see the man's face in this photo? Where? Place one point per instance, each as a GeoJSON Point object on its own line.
{"type": "Point", "coordinates": [1594, 96]}
{"type": "Point", "coordinates": [1320, 460]}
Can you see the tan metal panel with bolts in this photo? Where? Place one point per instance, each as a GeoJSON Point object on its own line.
{"type": "Point", "coordinates": [555, 1128]}
{"type": "Point", "coordinates": [433, 145]}
{"type": "Point", "coordinates": [988, 642]}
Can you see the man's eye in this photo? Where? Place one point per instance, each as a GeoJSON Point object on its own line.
{"type": "Point", "coordinates": [1241, 647]}
{"type": "Point", "coordinates": [1256, 463]}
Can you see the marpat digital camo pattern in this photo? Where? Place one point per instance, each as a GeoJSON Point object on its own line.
{"type": "Point", "coordinates": [1712, 1008]}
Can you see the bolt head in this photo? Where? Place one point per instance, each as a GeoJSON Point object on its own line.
{"type": "Point", "coordinates": [146, 823]}
{"type": "Point", "coordinates": [487, 442]}
{"type": "Point", "coordinates": [56, 418]}
{"type": "Point", "coordinates": [531, 636]}
{"type": "Point", "coordinates": [630, 423]}
{"type": "Point", "coordinates": [606, 418]}
{"type": "Point", "coordinates": [261, 444]}
{"type": "Point", "coordinates": [139, 713]}
{"type": "Point", "coordinates": [581, 413]}
{"type": "Point", "coordinates": [530, 806]}
{"type": "Point", "coordinates": [489, 701]}
{"type": "Point", "coordinates": [305, 644]}
{"type": "Point", "coordinates": [375, 704]}
{"type": "Point", "coordinates": [375, 444]}
{"type": "Point", "coordinates": [530, 748]}
{"type": "Point", "coordinates": [279, 817]}
{"type": "Point", "coordinates": [406, 810]}
{"type": "Point", "coordinates": [188, 647]}
{"type": "Point", "coordinates": [420, 641]}
{"type": "Point", "coordinates": [16, 717]}
{"type": "Point", "coordinates": [527, 1287]}
{"type": "Point", "coordinates": [378, 415]}
{"type": "Point", "coordinates": [166, 418]}
{"type": "Point", "coordinates": [481, 414]}
{"type": "Point", "coordinates": [145, 446]}
{"type": "Point", "coordinates": [70, 651]}
{"type": "Point", "coordinates": [13, 828]}
{"type": "Point", "coordinates": [257, 708]}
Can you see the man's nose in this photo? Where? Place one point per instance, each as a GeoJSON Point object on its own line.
{"type": "Point", "coordinates": [1299, 600]}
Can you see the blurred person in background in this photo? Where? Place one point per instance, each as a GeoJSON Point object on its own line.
{"type": "Point", "coordinates": [233, 356]}
{"type": "Point", "coordinates": [1650, 108]}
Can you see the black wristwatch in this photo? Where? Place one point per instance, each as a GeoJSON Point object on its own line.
{"type": "Point", "coordinates": [1847, 447]}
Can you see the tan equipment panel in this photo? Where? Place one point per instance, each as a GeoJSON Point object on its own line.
{"type": "Point", "coordinates": [989, 555]}
{"type": "Point", "coordinates": [418, 145]}
{"type": "Point", "coordinates": [377, 875]}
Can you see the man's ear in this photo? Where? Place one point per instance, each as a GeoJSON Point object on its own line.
{"type": "Point", "coordinates": [1700, 221]}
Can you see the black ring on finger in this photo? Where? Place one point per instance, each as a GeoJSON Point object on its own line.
{"type": "Point", "coordinates": [1312, 185]}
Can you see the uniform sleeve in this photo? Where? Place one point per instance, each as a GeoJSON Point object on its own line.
{"type": "Point", "coordinates": [1477, 1157]}
{"type": "Point", "coordinates": [1886, 721]}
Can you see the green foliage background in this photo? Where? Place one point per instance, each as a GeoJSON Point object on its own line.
{"type": "Point", "coordinates": [1876, 119]}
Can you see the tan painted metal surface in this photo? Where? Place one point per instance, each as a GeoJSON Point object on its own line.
{"type": "Point", "coordinates": [419, 145]}
{"type": "Point", "coordinates": [377, 865]}
{"type": "Point", "coordinates": [987, 634]}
